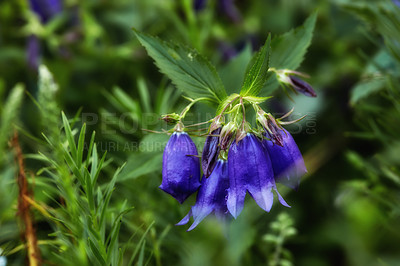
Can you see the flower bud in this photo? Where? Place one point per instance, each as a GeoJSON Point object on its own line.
{"type": "Point", "coordinates": [210, 153]}
{"type": "Point", "coordinates": [181, 167]}
{"type": "Point", "coordinates": [227, 134]}
{"type": "Point", "coordinates": [286, 77]}
{"type": "Point", "coordinates": [302, 86]}
{"type": "Point", "coordinates": [171, 119]}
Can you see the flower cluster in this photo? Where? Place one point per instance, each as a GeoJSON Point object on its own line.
{"type": "Point", "coordinates": [237, 159]}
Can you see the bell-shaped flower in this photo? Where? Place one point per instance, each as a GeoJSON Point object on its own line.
{"type": "Point", "coordinates": [210, 153]}
{"type": "Point", "coordinates": [250, 171]}
{"type": "Point", "coordinates": [211, 196]}
{"type": "Point", "coordinates": [287, 161]}
{"type": "Point", "coordinates": [181, 167]}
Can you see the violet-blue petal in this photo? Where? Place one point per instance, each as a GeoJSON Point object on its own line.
{"type": "Point", "coordinates": [287, 161]}
{"type": "Point", "coordinates": [211, 197]}
{"type": "Point", "coordinates": [46, 9]}
{"type": "Point", "coordinates": [181, 167]}
{"type": "Point", "coordinates": [250, 171]}
{"type": "Point", "coordinates": [210, 153]}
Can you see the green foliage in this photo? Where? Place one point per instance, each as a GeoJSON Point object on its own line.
{"type": "Point", "coordinates": [86, 230]}
{"type": "Point", "coordinates": [187, 69]}
{"type": "Point", "coordinates": [257, 71]}
{"type": "Point", "coordinates": [281, 230]}
{"type": "Point", "coordinates": [288, 50]}
{"type": "Point", "coordinates": [346, 209]}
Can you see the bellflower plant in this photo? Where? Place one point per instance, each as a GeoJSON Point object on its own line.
{"type": "Point", "coordinates": [238, 157]}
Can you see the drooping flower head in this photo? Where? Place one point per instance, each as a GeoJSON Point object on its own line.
{"type": "Point", "coordinates": [211, 196]}
{"type": "Point", "coordinates": [230, 135]}
{"type": "Point", "coordinates": [181, 167]}
{"type": "Point", "coordinates": [250, 171]}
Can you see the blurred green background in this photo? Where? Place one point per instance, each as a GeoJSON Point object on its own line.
{"type": "Point", "coordinates": [347, 209]}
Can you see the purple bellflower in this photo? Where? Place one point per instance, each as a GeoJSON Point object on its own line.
{"type": "Point", "coordinates": [287, 161]}
{"type": "Point", "coordinates": [250, 171]}
{"type": "Point", "coordinates": [210, 152]}
{"type": "Point", "coordinates": [211, 197]}
{"type": "Point", "coordinates": [181, 167]}
{"type": "Point", "coordinates": [46, 9]}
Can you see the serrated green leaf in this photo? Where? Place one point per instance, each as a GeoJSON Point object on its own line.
{"type": "Point", "coordinates": [187, 69]}
{"type": "Point", "coordinates": [257, 70]}
{"type": "Point", "coordinates": [288, 50]}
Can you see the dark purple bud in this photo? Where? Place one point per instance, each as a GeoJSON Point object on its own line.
{"type": "Point", "coordinates": [396, 2]}
{"type": "Point", "coordinates": [302, 86]}
{"type": "Point", "coordinates": [181, 167]}
{"type": "Point", "coordinates": [210, 153]}
{"type": "Point", "coordinates": [211, 197]}
{"type": "Point", "coordinates": [46, 9]}
{"type": "Point", "coordinates": [287, 162]}
{"type": "Point", "coordinates": [33, 52]}
{"type": "Point", "coordinates": [250, 171]}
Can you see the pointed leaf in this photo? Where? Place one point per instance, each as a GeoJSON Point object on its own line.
{"type": "Point", "coordinates": [257, 70]}
{"type": "Point", "coordinates": [187, 69]}
{"type": "Point", "coordinates": [288, 50]}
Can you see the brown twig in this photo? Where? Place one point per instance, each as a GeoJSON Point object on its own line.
{"type": "Point", "coordinates": [24, 207]}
